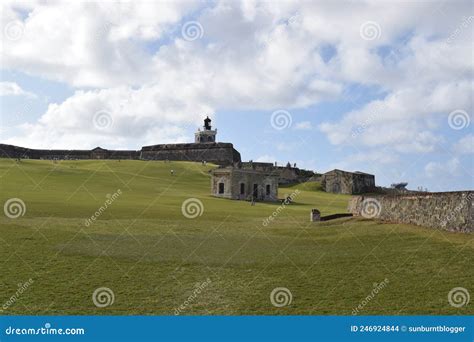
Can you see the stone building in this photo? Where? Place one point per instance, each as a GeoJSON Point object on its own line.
{"type": "Point", "coordinates": [344, 182]}
{"type": "Point", "coordinates": [286, 174]}
{"type": "Point", "coordinates": [244, 184]}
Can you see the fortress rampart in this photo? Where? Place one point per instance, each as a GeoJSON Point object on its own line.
{"type": "Point", "coordinates": [451, 211]}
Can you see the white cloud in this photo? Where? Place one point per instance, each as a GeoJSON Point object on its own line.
{"type": "Point", "coordinates": [303, 125]}
{"type": "Point", "coordinates": [266, 159]}
{"type": "Point", "coordinates": [143, 116]}
{"type": "Point", "coordinates": [13, 89]}
{"type": "Point", "coordinates": [437, 169]}
{"type": "Point", "coordinates": [465, 145]}
{"type": "Point", "coordinates": [253, 55]}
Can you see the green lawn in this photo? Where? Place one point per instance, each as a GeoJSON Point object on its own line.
{"type": "Point", "coordinates": [153, 258]}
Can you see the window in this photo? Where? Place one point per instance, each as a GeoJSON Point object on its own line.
{"type": "Point", "coordinates": [255, 191]}
{"type": "Point", "coordinates": [221, 188]}
{"type": "Point", "coordinates": [268, 189]}
{"type": "Point", "coordinates": [242, 188]}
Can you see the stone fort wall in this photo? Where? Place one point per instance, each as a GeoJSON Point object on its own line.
{"type": "Point", "coordinates": [451, 211]}
{"type": "Point", "coordinates": [11, 151]}
{"type": "Point", "coordinates": [218, 153]}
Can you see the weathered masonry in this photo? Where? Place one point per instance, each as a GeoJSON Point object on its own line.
{"type": "Point", "coordinates": [452, 211]}
{"type": "Point", "coordinates": [241, 184]}
{"type": "Point", "coordinates": [344, 182]}
{"type": "Point", "coordinates": [11, 151]}
{"type": "Point", "coordinates": [217, 153]}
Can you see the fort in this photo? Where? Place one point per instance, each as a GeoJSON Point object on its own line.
{"type": "Point", "coordinates": [205, 148]}
{"type": "Point", "coordinates": [257, 181]}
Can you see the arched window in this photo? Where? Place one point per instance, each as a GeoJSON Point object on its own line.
{"type": "Point", "coordinates": [268, 189]}
{"type": "Point", "coordinates": [221, 188]}
{"type": "Point", "coordinates": [242, 188]}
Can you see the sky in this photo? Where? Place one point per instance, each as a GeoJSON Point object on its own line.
{"type": "Point", "coordinates": [384, 87]}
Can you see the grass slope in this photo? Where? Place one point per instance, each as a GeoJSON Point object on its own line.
{"type": "Point", "coordinates": [153, 258]}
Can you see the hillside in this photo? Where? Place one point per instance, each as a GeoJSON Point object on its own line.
{"type": "Point", "coordinates": [153, 257]}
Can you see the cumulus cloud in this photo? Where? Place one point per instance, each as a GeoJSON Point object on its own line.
{"type": "Point", "coordinates": [465, 145]}
{"type": "Point", "coordinates": [13, 89]}
{"type": "Point", "coordinates": [304, 125]}
{"type": "Point", "coordinates": [438, 169]}
{"type": "Point", "coordinates": [252, 55]}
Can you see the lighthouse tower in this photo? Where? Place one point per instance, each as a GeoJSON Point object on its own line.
{"type": "Point", "coordinates": [207, 134]}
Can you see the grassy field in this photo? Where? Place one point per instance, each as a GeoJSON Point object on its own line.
{"type": "Point", "coordinates": [153, 258]}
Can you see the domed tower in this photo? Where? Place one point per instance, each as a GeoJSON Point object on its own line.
{"type": "Point", "coordinates": [207, 135]}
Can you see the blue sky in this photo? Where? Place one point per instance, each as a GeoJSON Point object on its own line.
{"type": "Point", "coordinates": [381, 88]}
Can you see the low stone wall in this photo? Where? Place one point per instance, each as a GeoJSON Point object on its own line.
{"type": "Point", "coordinates": [452, 211]}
